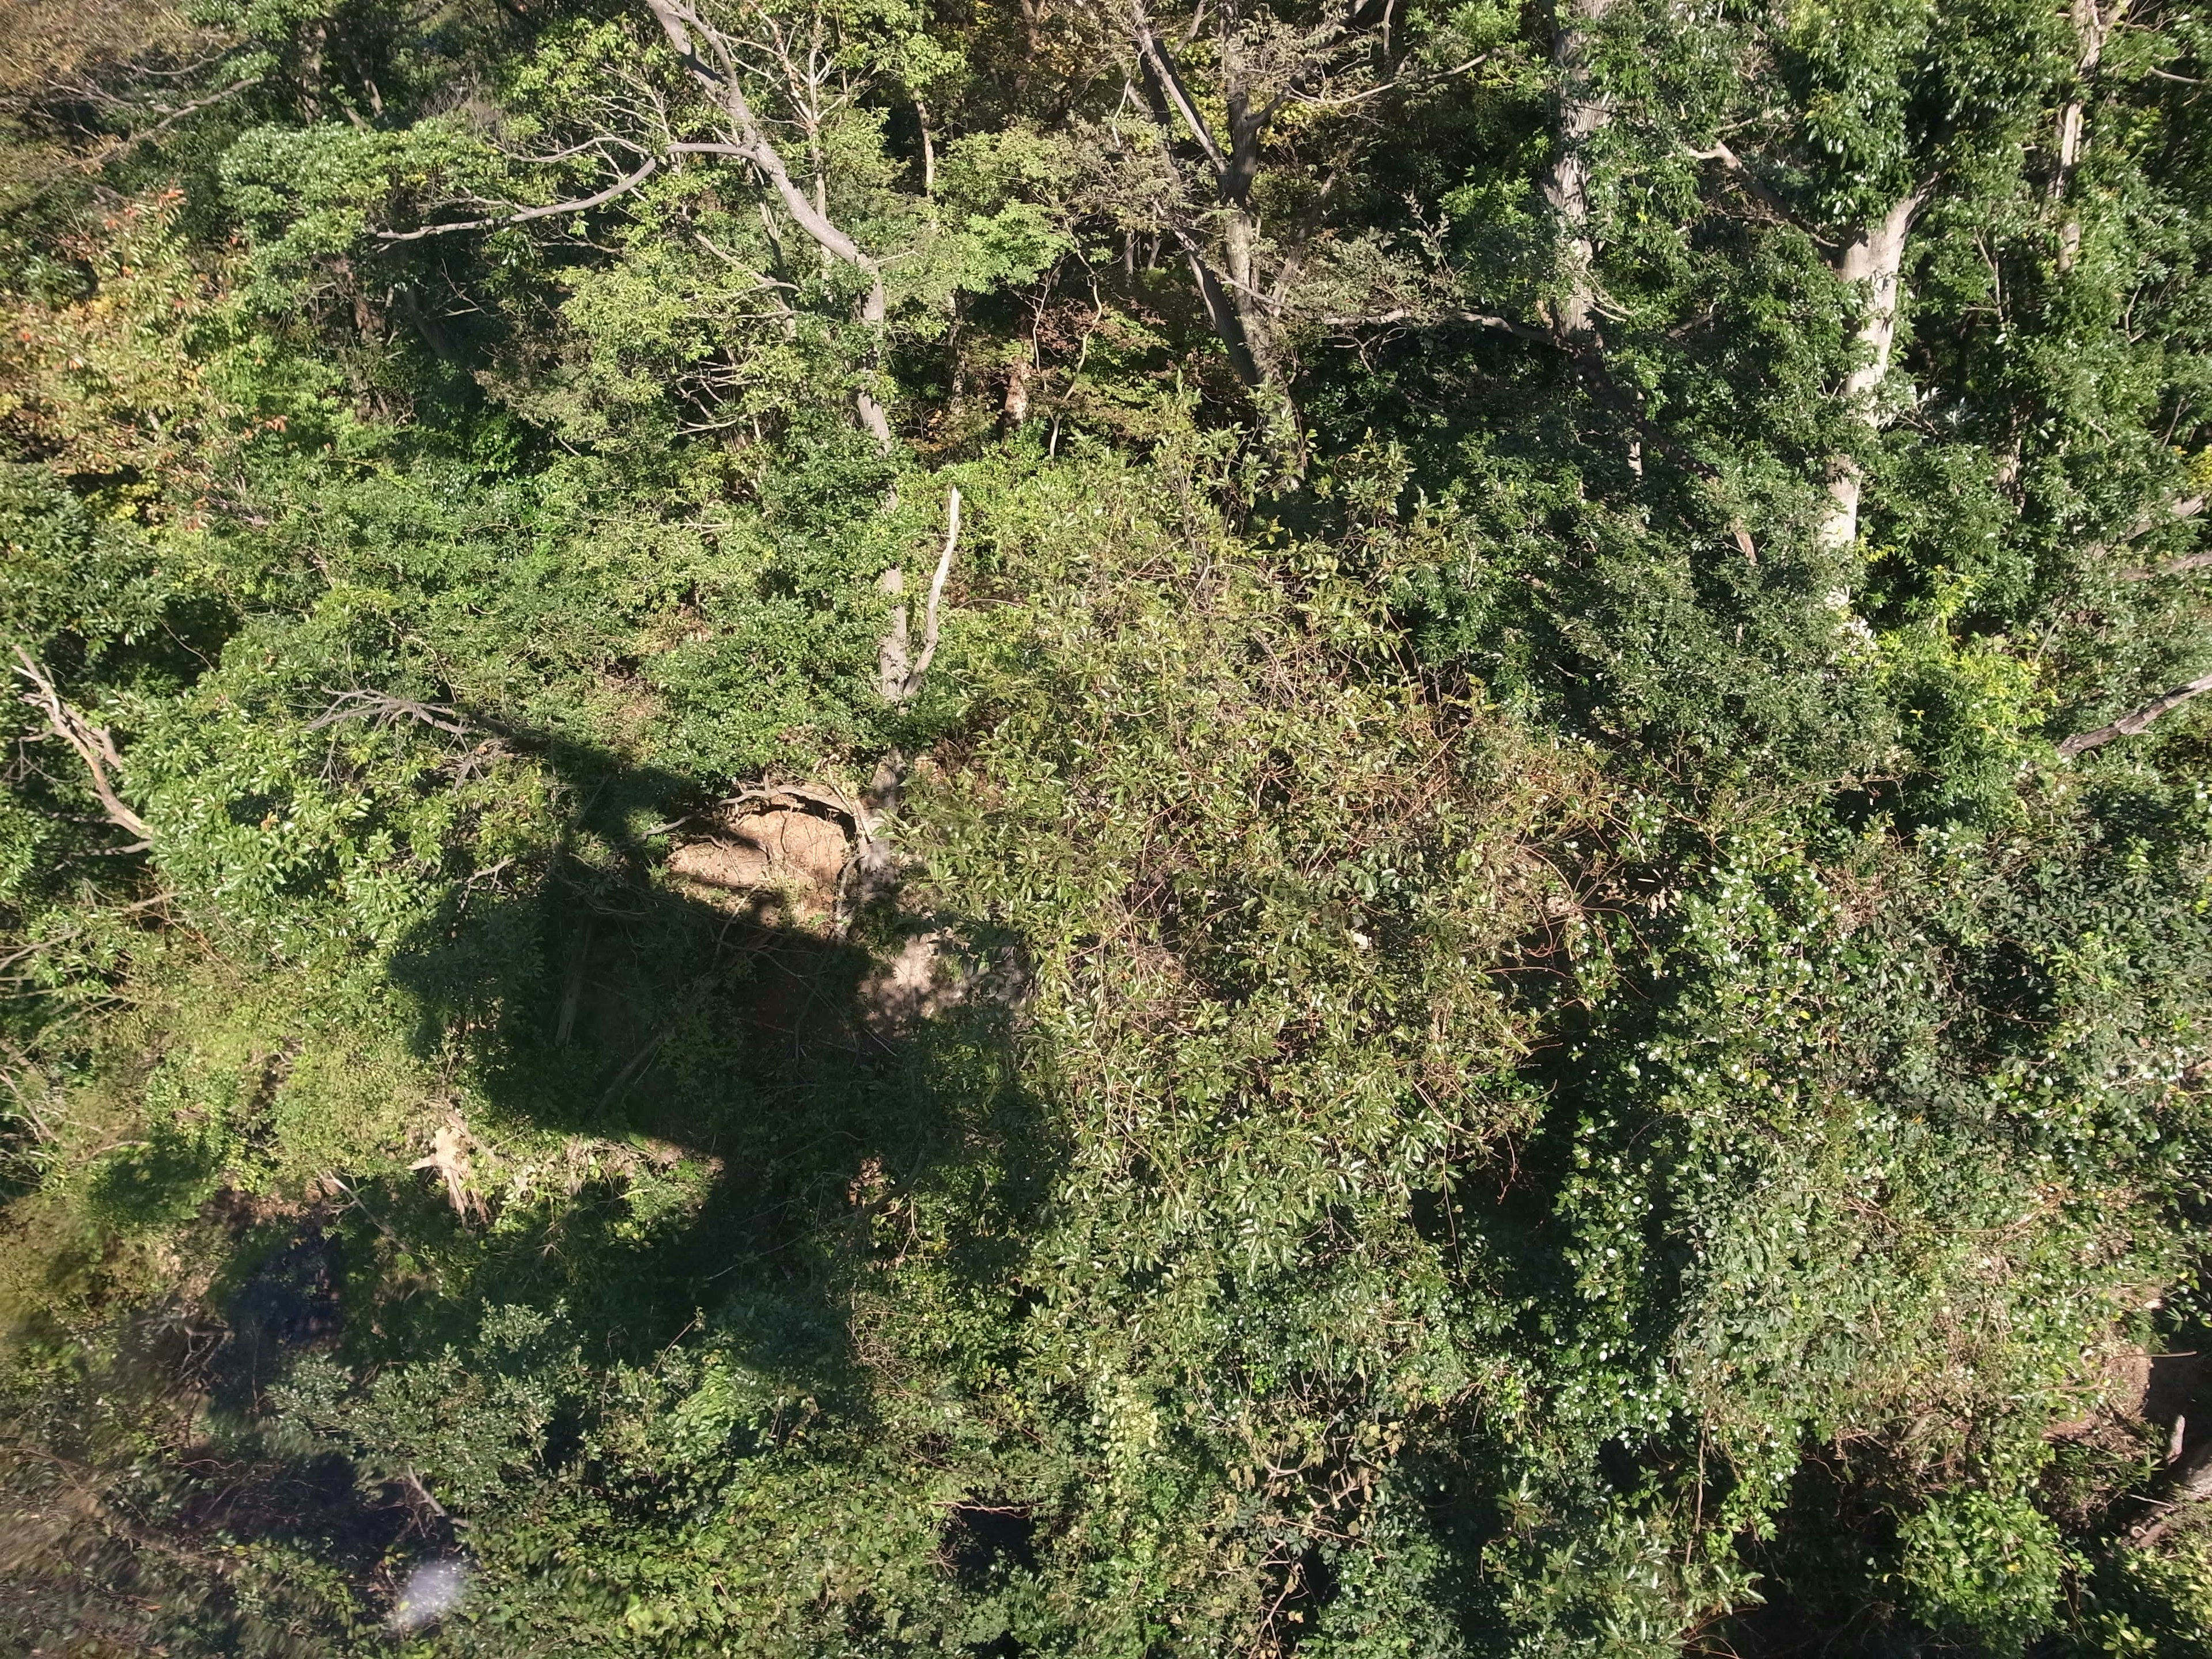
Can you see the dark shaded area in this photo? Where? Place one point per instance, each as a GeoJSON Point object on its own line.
{"type": "Point", "coordinates": [1815, 1578]}
{"type": "Point", "coordinates": [985, 1539]}
{"type": "Point", "coordinates": [286, 1302]}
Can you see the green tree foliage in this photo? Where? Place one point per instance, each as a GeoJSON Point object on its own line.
{"type": "Point", "coordinates": [857, 828]}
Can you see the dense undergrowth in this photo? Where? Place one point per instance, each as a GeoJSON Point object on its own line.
{"type": "Point", "coordinates": [1488, 1000]}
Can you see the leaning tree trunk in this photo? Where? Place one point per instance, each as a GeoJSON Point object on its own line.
{"type": "Point", "coordinates": [1581, 115]}
{"type": "Point", "coordinates": [1872, 263]}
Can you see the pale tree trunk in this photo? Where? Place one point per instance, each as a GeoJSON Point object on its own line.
{"type": "Point", "coordinates": [871, 411]}
{"type": "Point", "coordinates": [1565, 183]}
{"type": "Point", "coordinates": [2093, 26]}
{"type": "Point", "coordinates": [1871, 262]}
{"type": "Point", "coordinates": [928, 149]}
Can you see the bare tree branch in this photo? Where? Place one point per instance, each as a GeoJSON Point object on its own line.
{"type": "Point", "coordinates": [621, 187]}
{"type": "Point", "coordinates": [2137, 719]}
{"type": "Point", "coordinates": [93, 745]}
{"type": "Point", "coordinates": [2173, 567]}
{"type": "Point", "coordinates": [913, 686]}
{"type": "Point", "coordinates": [1160, 67]}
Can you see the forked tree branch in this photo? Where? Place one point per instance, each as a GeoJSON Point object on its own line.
{"type": "Point", "coordinates": [749, 142]}
{"type": "Point", "coordinates": [93, 745]}
{"type": "Point", "coordinates": [721, 85]}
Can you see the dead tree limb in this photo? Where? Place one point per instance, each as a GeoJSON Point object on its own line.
{"type": "Point", "coordinates": [2137, 719]}
{"type": "Point", "coordinates": [2093, 25]}
{"type": "Point", "coordinates": [93, 745]}
{"type": "Point", "coordinates": [2192, 1484]}
{"type": "Point", "coordinates": [384, 708]}
{"type": "Point", "coordinates": [1871, 260]}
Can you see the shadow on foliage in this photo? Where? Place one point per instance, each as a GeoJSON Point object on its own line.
{"type": "Point", "coordinates": [694, 1120]}
{"type": "Point", "coordinates": [745, 1100]}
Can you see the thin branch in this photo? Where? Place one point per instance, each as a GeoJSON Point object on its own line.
{"type": "Point", "coordinates": [2137, 719]}
{"type": "Point", "coordinates": [2174, 567]}
{"type": "Point", "coordinates": [92, 743]}
{"type": "Point", "coordinates": [752, 144]}
{"type": "Point", "coordinates": [912, 687]}
{"type": "Point", "coordinates": [194, 107]}
{"type": "Point", "coordinates": [573, 150]}
{"type": "Point", "coordinates": [620, 187]}
{"type": "Point", "coordinates": [1395, 83]}
{"type": "Point", "coordinates": [1759, 189]}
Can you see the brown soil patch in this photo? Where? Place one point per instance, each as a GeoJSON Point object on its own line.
{"type": "Point", "coordinates": [2131, 1389]}
{"type": "Point", "coordinates": [780, 858]}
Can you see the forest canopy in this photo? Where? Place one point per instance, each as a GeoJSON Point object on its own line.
{"type": "Point", "coordinates": [1097, 828]}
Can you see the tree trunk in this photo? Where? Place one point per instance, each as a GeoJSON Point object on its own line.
{"type": "Point", "coordinates": [1871, 262]}
{"type": "Point", "coordinates": [1565, 183]}
{"type": "Point", "coordinates": [872, 412]}
{"type": "Point", "coordinates": [1261, 337]}
{"type": "Point", "coordinates": [2093, 25]}
{"type": "Point", "coordinates": [1236, 307]}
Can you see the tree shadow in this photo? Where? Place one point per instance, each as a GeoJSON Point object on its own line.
{"type": "Point", "coordinates": [684, 1119]}
{"type": "Point", "coordinates": [739, 1079]}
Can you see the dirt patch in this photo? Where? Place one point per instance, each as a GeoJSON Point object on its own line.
{"type": "Point", "coordinates": [2115, 1384]}
{"type": "Point", "coordinates": [758, 863]}
{"type": "Point", "coordinates": [2135, 1390]}
{"type": "Point", "coordinates": [925, 979]}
